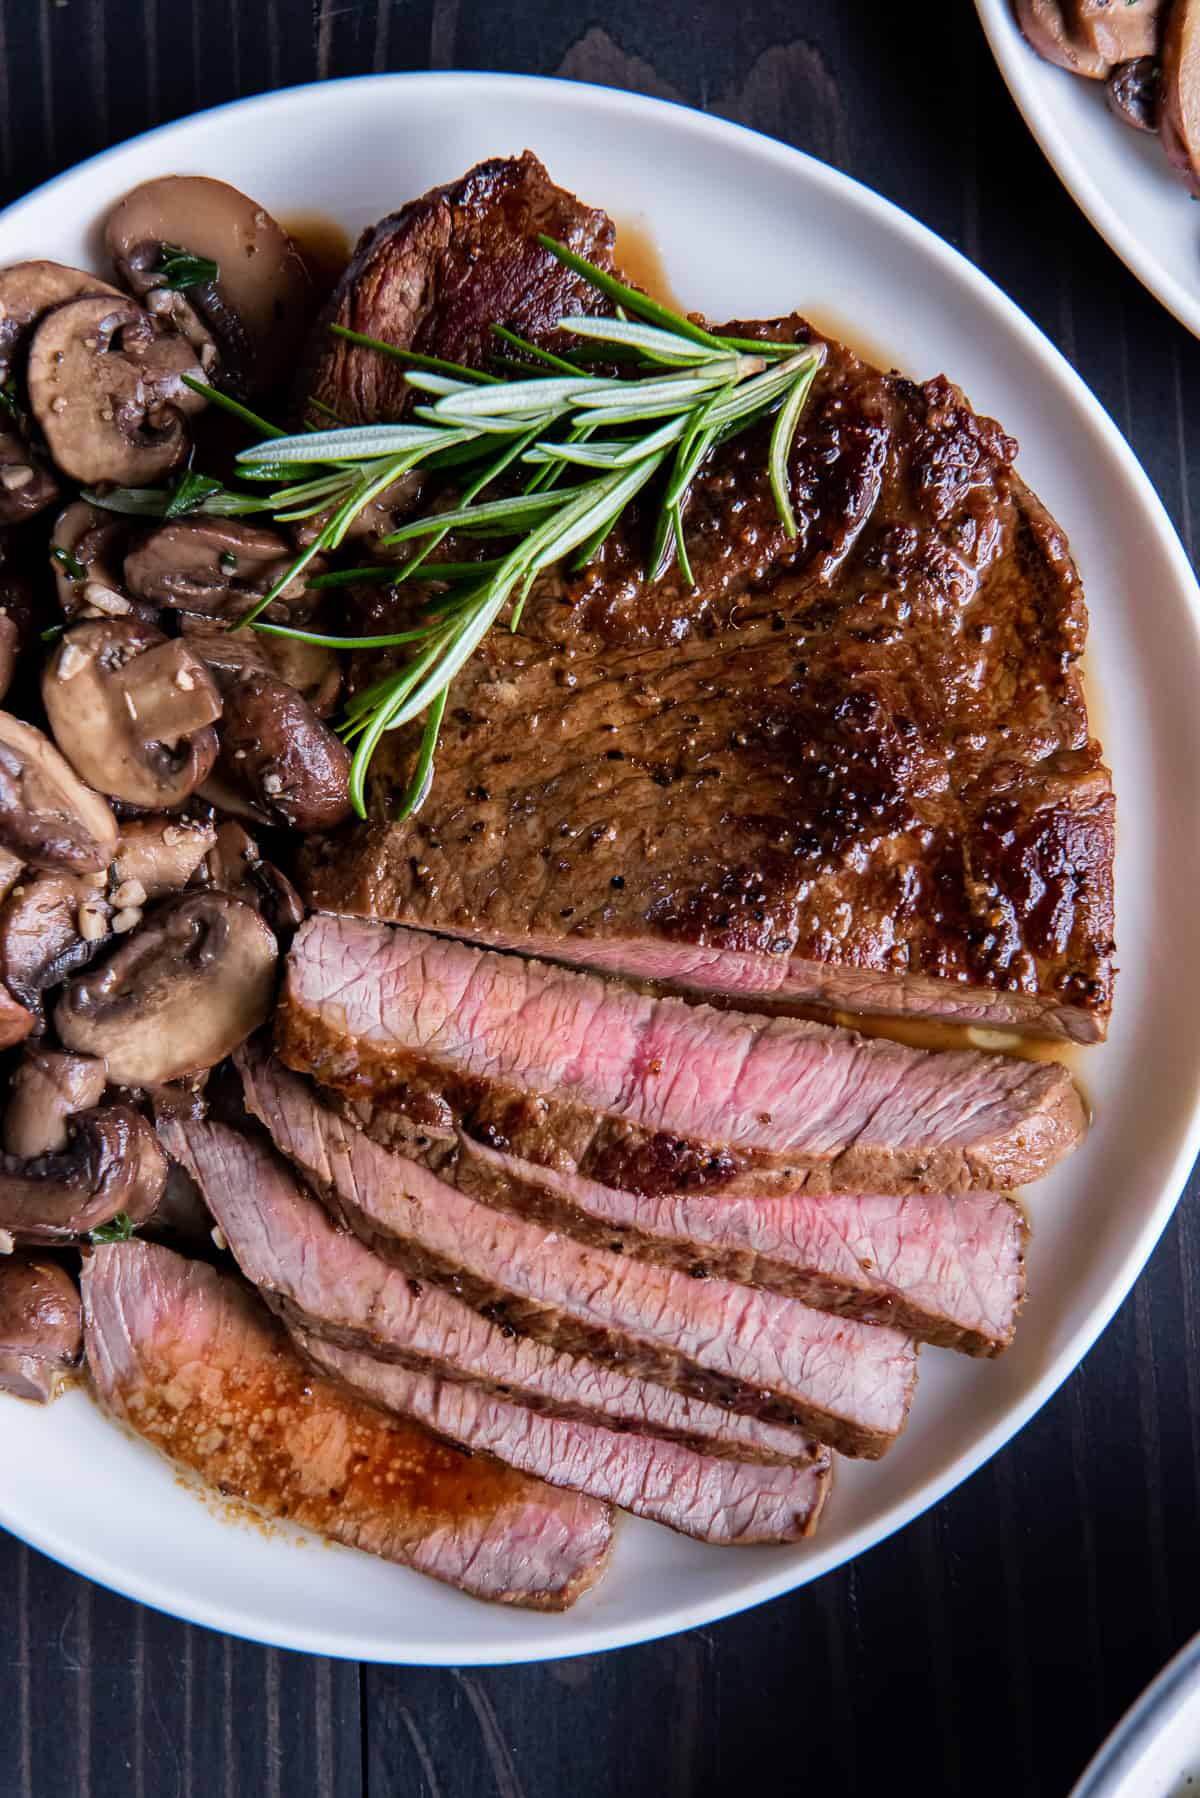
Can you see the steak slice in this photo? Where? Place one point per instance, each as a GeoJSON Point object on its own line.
{"type": "Point", "coordinates": [948, 1269]}
{"type": "Point", "coordinates": [850, 768]}
{"type": "Point", "coordinates": [722, 1502]}
{"type": "Point", "coordinates": [185, 1356]}
{"type": "Point", "coordinates": [850, 1384]}
{"type": "Point", "coordinates": [327, 1280]}
{"type": "Point", "coordinates": [653, 1095]}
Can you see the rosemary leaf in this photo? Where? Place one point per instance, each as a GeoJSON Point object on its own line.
{"type": "Point", "coordinates": [413, 357]}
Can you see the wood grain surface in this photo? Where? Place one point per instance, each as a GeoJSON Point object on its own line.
{"type": "Point", "coordinates": [990, 1646]}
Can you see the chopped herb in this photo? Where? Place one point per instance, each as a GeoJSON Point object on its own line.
{"type": "Point", "coordinates": [180, 270]}
{"type": "Point", "coordinates": [119, 1229]}
{"type": "Point", "coordinates": [66, 561]}
{"type": "Point", "coordinates": [228, 560]}
{"type": "Point", "coordinates": [53, 634]}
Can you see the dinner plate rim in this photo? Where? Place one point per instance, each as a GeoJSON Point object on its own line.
{"type": "Point", "coordinates": [1017, 60]}
{"type": "Point", "coordinates": [579, 1634]}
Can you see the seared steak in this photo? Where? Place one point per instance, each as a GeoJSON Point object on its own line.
{"type": "Point", "coordinates": [188, 1358]}
{"type": "Point", "coordinates": [849, 1383]}
{"type": "Point", "coordinates": [326, 1280]}
{"type": "Point", "coordinates": [850, 768]}
{"type": "Point", "coordinates": [716, 1501]}
{"type": "Point", "coordinates": [653, 1095]}
{"type": "Point", "coordinates": [440, 272]}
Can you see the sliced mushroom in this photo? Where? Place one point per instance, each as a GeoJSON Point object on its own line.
{"type": "Point", "coordinates": [1119, 30]}
{"type": "Point", "coordinates": [41, 1327]}
{"type": "Point", "coordinates": [106, 387]}
{"type": "Point", "coordinates": [87, 548]}
{"type": "Point", "coordinates": [10, 644]}
{"type": "Point", "coordinates": [133, 711]}
{"type": "Point", "coordinates": [1050, 29]}
{"type": "Point", "coordinates": [28, 290]}
{"type": "Point", "coordinates": [296, 770]}
{"type": "Point", "coordinates": [159, 855]}
{"type": "Point", "coordinates": [49, 926]}
{"type": "Point", "coordinates": [192, 983]}
{"type": "Point", "coordinates": [1133, 91]}
{"type": "Point", "coordinates": [257, 307]}
{"type": "Point", "coordinates": [315, 673]}
{"type": "Point", "coordinates": [46, 1090]}
{"type": "Point", "coordinates": [217, 567]}
{"type": "Point", "coordinates": [1180, 122]}
{"type": "Point", "coordinates": [236, 865]}
{"type": "Point", "coordinates": [49, 818]}
{"type": "Point", "coordinates": [112, 1164]}
{"type": "Point", "coordinates": [27, 485]}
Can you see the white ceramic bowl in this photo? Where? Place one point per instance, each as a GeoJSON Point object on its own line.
{"type": "Point", "coordinates": [1119, 177]}
{"type": "Point", "coordinates": [745, 226]}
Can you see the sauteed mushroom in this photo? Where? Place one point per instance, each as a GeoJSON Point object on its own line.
{"type": "Point", "coordinates": [46, 1090]}
{"type": "Point", "coordinates": [48, 817]}
{"type": "Point", "coordinates": [159, 855]}
{"type": "Point", "coordinates": [41, 1326]}
{"type": "Point", "coordinates": [235, 864]}
{"type": "Point", "coordinates": [192, 983]}
{"type": "Point", "coordinates": [112, 1163]}
{"type": "Point", "coordinates": [106, 388]}
{"type": "Point", "coordinates": [296, 769]}
{"type": "Point", "coordinates": [87, 547]}
{"type": "Point", "coordinates": [217, 567]}
{"type": "Point", "coordinates": [28, 290]}
{"type": "Point", "coordinates": [257, 305]}
{"type": "Point", "coordinates": [314, 672]}
{"type": "Point", "coordinates": [133, 710]}
{"type": "Point", "coordinates": [16, 1023]}
{"type": "Point", "coordinates": [50, 925]}
{"type": "Point", "coordinates": [1133, 92]}
{"type": "Point", "coordinates": [27, 486]}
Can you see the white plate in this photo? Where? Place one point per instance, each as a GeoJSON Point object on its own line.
{"type": "Point", "coordinates": [1154, 1752]}
{"type": "Point", "coordinates": [745, 227]}
{"type": "Point", "coordinates": [1119, 177]}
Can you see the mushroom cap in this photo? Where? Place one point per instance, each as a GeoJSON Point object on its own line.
{"type": "Point", "coordinates": [46, 1089]}
{"type": "Point", "coordinates": [106, 387]}
{"type": "Point", "coordinates": [1134, 92]}
{"type": "Point", "coordinates": [191, 983]}
{"type": "Point", "coordinates": [48, 816]}
{"type": "Point", "coordinates": [112, 1163]}
{"type": "Point", "coordinates": [30, 289]}
{"type": "Point", "coordinates": [216, 567]}
{"type": "Point", "coordinates": [42, 937]}
{"type": "Point", "coordinates": [235, 864]}
{"type": "Point", "coordinates": [41, 1326]}
{"type": "Point", "coordinates": [133, 711]}
{"type": "Point", "coordinates": [296, 770]}
{"type": "Point", "coordinates": [262, 286]}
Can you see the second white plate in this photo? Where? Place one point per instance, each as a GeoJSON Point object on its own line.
{"type": "Point", "coordinates": [1120, 178]}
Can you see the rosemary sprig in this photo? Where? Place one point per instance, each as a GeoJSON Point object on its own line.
{"type": "Point", "coordinates": [683, 391]}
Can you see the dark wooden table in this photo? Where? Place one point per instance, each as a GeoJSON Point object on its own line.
{"type": "Point", "coordinates": [991, 1645]}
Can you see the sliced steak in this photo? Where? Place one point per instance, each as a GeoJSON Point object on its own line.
{"type": "Point", "coordinates": [851, 767]}
{"type": "Point", "coordinates": [187, 1357]}
{"type": "Point", "coordinates": [850, 1384]}
{"type": "Point", "coordinates": [654, 1095]}
{"type": "Point", "coordinates": [947, 1269]}
{"type": "Point", "coordinates": [723, 1502]}
{"type": "Point", "coordinates": [327, 1280]}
